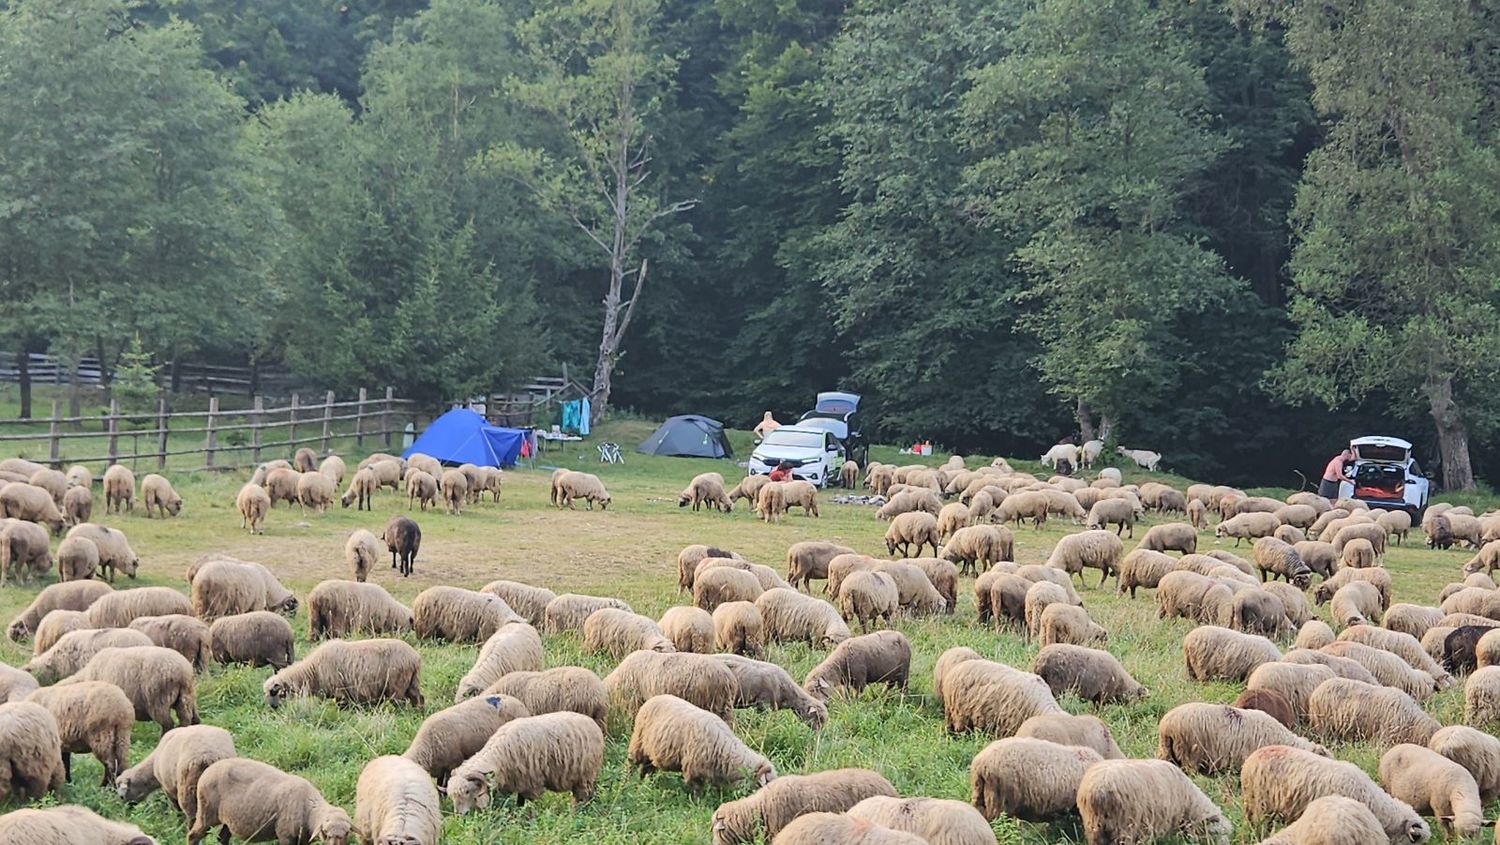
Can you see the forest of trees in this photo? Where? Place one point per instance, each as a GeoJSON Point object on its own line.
{"type": "Point", "coordinates": [1235, 231]}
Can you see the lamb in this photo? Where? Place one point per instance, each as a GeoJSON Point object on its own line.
{"type": "Point", "coordinates": [619, 632]}
{"type": "Point", "coordinates": [15, 685]}
{"type": "Point", "coordinates": [1355, 603]}
{"type": "Point", "coordinates": [1351, 710]}
{"type": "Point", "coordinates": [181, 633]}
{"type": "Point", "coordinates": [1388, 669]}
{"type": "Point", "coordinates": [581, 485]}
{"type": "Point", "coordinates": [917, 528]}
{"type": "Point", "coordinates": [1432, 783]}
{"type": "Point", "coordinates": [1095, 676]}
{"type": "Point", "coordinates": [158, 682]}
{"type": "Point", "coordinates": [936, 821]}
{"type": "Point", "coordinates": [1482, 696]}
{"type": "Point", "coordinates": [978, 546]}
{"type": "Point", "coordinates": [1331, 820]}
{"type": "Point", "coordinates": [449, 737]}
{"type": "Point", "coordinates": [157, 492]}
{"type": "Point", "coordinates": [816, 828]}
{"type": "Point", "coordinates": [253, 503]}
{"type": "Point", "coordinates": [403, 538]}
{"type": "Point", "coordinates": [1211, 739]}
{"type": "Point", "coordinates": [1171, 536]}
{"type": "Point", "coordinates": [1099, 550]}
{"type": "Point", "coordinates": [115, 553]}
{"type": "Point", "coordinates": [697, 678]}
{"type": "Point", "coordinates": [250, 799]}
{"type": "Point", "coordinates": [808, 560]}
{"type": "Point", "coordinates": [1475, 750]}
{"type": "Point", "coordinates": [882, 657]}
{"type": "Point", "coordinates": [716, 585]}
{"type": "Point", "coordinates": [738, 628]}
{"type": "Point", "coordinates": [1252, 525]}
{"type": "Point", "coordinates": [259, 638]}
{"type": "Point", "coordinates": [119, 489]}
{"type": "Point", "coordinates": [358, 672]}
{"type": "Point", "coordinates": [1275, 558]}
{"type": "Point", "coordinates": [570, 688]}
{"type": "Point", "coordinates": [454, 614]}
{"type": "Point", "coordinates": [1213, 653]}
{"type": "Point", "coordinates": [1295, 682]}
{"type": "Point", "coordinates": [68, 825]}
{"type": "Point", "coordinates": [1143, 568]}
{"type": "Point", "coordinates": [980, 694]}
{"type": "Point", "coordinates": [1109, 799]}
{"type": "Point", "coordinates": [1404, 646]}
{"type": "Point", "coordinates": [1279, 782]}
{"type": "Point", "coordinates": [672, 734]}
{"type": "Point", "coordinates": [30, 751]}
{"type": "Point", "coordinates": [226, 587]}
{"type": "Point", "coordinates": [784, 799]}
{"type": "Point", "coordinates": [119, 609]}
{"type": "Point", "coordinates": [341, 608]}
{"type": "Point", "coordinates": [361, 489]}
{"type": "Point", "coordinates": [1117, 512]}
{"type": "Point", "coordinates": [395, 802]}
{"type": "Point", "coordinates": [1144, 458]}
{"type": "Point", "coordinates": [869, 597]}
{"type": "Point", "coordinates": [77, 559]}
{"type": "Point", "coordinates": [1377, 577]}
{"type": "Point", "coordinates": [790, 616]}
{"type": "Point", "coordinates": [1065, 623]}
{"type": "Point", "coordinates": [568, 611]}
{"type": "Point", "coordinates": [77, 505]}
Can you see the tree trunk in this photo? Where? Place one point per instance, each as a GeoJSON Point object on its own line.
{"type": "Point", "coordinates": [23, 377]}
{"type": "Point", "coordinates": [1453, 435]}
{"type": "Point", "coordinates": [1085, 421]}
{"type": "Point", "coordinates": [1106, 427]}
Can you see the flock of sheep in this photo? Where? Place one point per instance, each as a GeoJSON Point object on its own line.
{"type": "Point", "coordinates": [104, 659]}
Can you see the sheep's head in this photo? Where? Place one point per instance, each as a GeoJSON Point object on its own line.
{"type": "Point", "coordinates": [132, 789]}
{"type": "Point", "coordinates": [334, 828]}
{"type": "Point", "coordinates": [733, 822]}
{"type": "Point", "coordinates": [470, 792]}
{"type": "Point", "coordinates": [174, 507]}
{"type": "Point", "coordinates": [276, 691]}
{"type": "Point", "coordinates": [821, 689]}
{"type": "Point", "coordinates": [1417, 830]}
{"type": "Point", "coordinates": [1302, 579]}
{"type": "Point", "coordinates": [682, 500]}
{"type": "Point", "coordinates": [1323, 593]}
{"type": "Point", "coordinates": [1473, 566]}
{"type": "Point", "coordinates": [765, 773]}
{"type": "Point", "coordinates": [18, 631]}
{"type": "Point", "coordinates": [604, 501]}
{"type": "Point", "coordinates": [57, 525]}
{"type": "Point", "coordinates": [288, 607]}
{"type": "Point", "coordinates": [814, 713]}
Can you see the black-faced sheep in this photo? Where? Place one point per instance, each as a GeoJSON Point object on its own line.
{"type": "Point", "coordinates": [249, 799]}
{"type": "Point", "coordinates": [781, 801]}
{"type": "Point", "coordinates": [570, 688]}
{"type": "Point", "coordinates": [1091, 674]}
{"type": "Point", "coordinates": [359, 672]}
{"type": "Point", "coordinates": [1110, 801]}
{"type": "Point", "coordinates": [882, 657]}
{"type": "Point", "coordinates": [30, 751]}
{"type": "Point", "coordinates": [158, 681]}
{"type": "Point", "coordinates": [74, 595]}
{"type": "Point", "coordinates": [449, 737]}
{"type": "Point", "coordinates": [395, 802]}
{"type": "Point", "coordinates": [92, 718]}
{"type": "Point", "coordinates": [1211, 739]}
{"type": "Point", "coordinates": [1431, 783]}
{"type": "Point", "coordinates": [1278, 783]}
{"type": "Point", "coordinates": [674, 735]}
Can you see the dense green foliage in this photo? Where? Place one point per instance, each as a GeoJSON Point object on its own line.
{"type": "Point", "coordinates": [1215, 229]}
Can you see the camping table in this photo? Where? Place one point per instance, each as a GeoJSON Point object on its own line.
{"type": "Point", "coordinates": [555, 437]}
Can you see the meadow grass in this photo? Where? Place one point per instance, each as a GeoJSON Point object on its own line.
{"type": "Point", "coordinates": [630, 551]}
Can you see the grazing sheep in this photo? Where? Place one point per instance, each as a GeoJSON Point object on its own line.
{"type": "Point", "coordinates": [362, 487]}
{"type": "Point", "coordinates": [456, 615]}
{"type": "Point", "coordinates": [1295, 682]}
{"type": "Point", "coordinates": [1473, 600]}
{"type": "Point", "coordinates": [674, 735]}
{"type": "Point", "coordinates": [77, 559]}
{"type": "Point", "coordinates": [688, 629]}
{"type": "Point", "coordinates": [403, 538]}
{"type": "Point", "coordinates": [281, 485]}
{"type": "Point", "coordinates": [77, 505]}
{"type": "Point", "coordinates": [1293, 602]}
{"type": "Point", "coordinates": [395, 802]}
{"type": "Point", "coordinates": [1290, 534]}
{"type": "Point", "coordinates": [68, 825]}
{"type": "Point", "coordinates": [619, 632]}
{"type": "Point", "coordinates": [1213, 653]}
{"type": "Point", "coordinates": [1099, 550]}
{"type": "Point", "coordinates": [249, 798]}
{"type": "Point", "coordinates": [1342, 667]}
{"type": "Point", "coordinates": [1095, 676]}
{"type": "Point", "coordinates": [92, 718]}
{"type": "Point", "coordinates": [181, 633]}
{"type": "Point", "coordinates": [1355, 603]}
{"type": "Point", "coordinates": [357, 672]}
{"type": "Point", "coordinates": [1352, 711]}
{"type": "Point", "coordinates": [868, 597]}
{"type": "Point", "coordinates": [748, 488]}
{"type": "Point", "coordinates": [1039, 597]}
{"type": "Point", "coordinates": [1028, 504]}
{"type": "Point", "coordinates": [1143, 568]}
{"type": "Point", "coordinates": [1260, 612]}
{"type": "Point", "coordinates": [1066, 729]}
{"type": "Point", "coordinates": [570, 688]}
{"type": "Point", "coordinates": [261, 471]}
{"type": "Point", "coordinates": [1482, 696]}
{"type": "Point", "coordinates": [115, 553]}
{"type": "Point", "coordinates": [908, 501]}
{"type": "Point", "coordinates": [1251, 526]}
{"type": "Point", "coordinates": [157, 492]}
{"type": "Point", "coordinates": [455, 489]}
{"type": "Point", "coordinates": [253, 503]}
{"type": "Point", "coordinates": [158, 681]}
{"type": "Point", "coordinates": [1377, 577]}
{"type": "Point", "coordinates": [341, 608]}
{"type": "Point", "coordinates": [1144, 458]}
{"type": "Point", "coordinates": [1395, 523]}
{"type": "Point", "coordinates": [1171, 536]}
{"type": "Point", "coordinates": [581, 485]}
{"type": "Point", "coordinates": [568, 611]}
{"type": "Point", "coordinates": [1065, 623]}
{"type": "Point", "coordinates": [449, 737]}
{"type": "Point", "coordinates": [74, 649]}
{"type": "Point", "coordinates": [779, 802]}
{"type": "Point", "coordinates": [1275, 558]}
{"type": "Point", "coordinates": [1299, 516]}
{"type": "Point", "coordinates": [361, 551]}
{"type": "Point", "coordinates": [716, 585]}
{"type": "Point", "coordinates": [421, 489]}
{"type": "Point", "coordinates": [1270, 702]}
{"type": "Point", "coordinates": [917, 528]}
{"type": "Point", "coordinates": [1358, 554]}
{"type": "Point", "coordinates": [817, 828]}
{"type": "Point", "coordinates": [333, 468]}
{"type": "Point", "coordinates": [1117, 512]}
{"type": "Point", "coordinates": [1388, 669]}
{"type": "Point", "coordinates": [805, 561]}
{"type": "Point", "coordinates": [1313, 635]}
{"type": "Point", "coordinates": [1030, 779]}
{"type": "Point", "coordinates": [226, 587]}
{"type": "Point", "coordinates": [119, 609]}
{"type": "Point", "coordinates": [1109, 799]}
{"type": "Point", "coordinates": [1404, 646]}
{"type": "Point", "coordinates": [802, 494]}
{"type": "Point", "coordinates": [697, 678]}
{"type": "Point", "coordinates": [992, 697]}
{"type": "Point", "coordinates": [1211, 739]}
{"type": "Point", "coordinates": [953, 516]}
{"type": "Point", "coordinates": [1460, 648]}
{"type": "Point", "coordinates": [1432, 783]}
{"type": "Point", "coordinates": [15, 685]}
{"type": "Point", "coordinates": [881, 657]}
{"type": "Point", "coordinates": [30, 751]}
{"type": "Point", "coordinates": [790, 616]}
{"type": "Point", "coordinates": [1197, 514]}
{"type": "Point", "coordinates": [1371, 532]}
{"type": "Point", "coordinates": [1475, 750]}
{"type": "Point", "coordinates": [937, 821]}
{"type": "Point", "coordinates": [119, 489]}
{"type": "Point", "coordinates": [738, 629]}
{"type": "Point", "coordinates": [1411, 619]}
{"type": "Point", "coordinates": [1331, 820]}
{"type": "Point", "coordinates": [259, 638]}
{"type": "Point", "coordinates": [765, 576]}
{"type": "Point", "coordinates": [941, 574]}
{"type": "Point", "coordinates": [766, 686]}
{"type": "Point", "coordinates": [305, 460]}
{"type": "Point", "coordinates": [978, 546]}
{"type": "Point", "coordinates": [530, 602]}
{"type": "Point", "coordinates": [1279, 782]}
{"type": "Point", "coordinates": [1180, 593]}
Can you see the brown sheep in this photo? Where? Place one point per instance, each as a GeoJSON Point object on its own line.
{"type": "Point", "coordinates": [868, 597]}
{"type": "Point", "coordinates": [790, 616]}
{"type": "Point", "coordinates": [403, 538]}
{"type": "Point", "coordinates": [1331, 820]}
{"type": "Point", "coordinates": [253, 503]}
{"type": "Point", "coordinates": [1214, 653]}
{"type": "Point", "coordinates": [119, 489]}
{"type": "Point", "coordinates": [977, 547]}
{"type": "Point", "coordinates": [179, 632]}
{"type": "Point", "coordinates": [1475, 750]}
{"type": "Point", "coordinates": [75, 649]}
{"type": "Point", "coordinates": [15, 685]}
{"type": "Point", "coordinates": [157, 492]}
{"type": "Point", "coordinates": [688, 629]}
{"type": "Point", "coordinates": [449, 737]}
{"type": "Point", "coordinates": [527, 757]}
{"type": "Point", "coordinates": [30, 751]}
{"type": "Point", "coordinates": [92, 718]}
{"type": "Point", "coordinates": [248, 798]}
{"type": "Point", "coordinates": [778, 803]}
{"type": "Point", "coordinates": [259, 638]}
{"type": "Point", "coordinates": [1099, 550]}
{"type": "Point", "coordinates": [359, 672]}
{"type": "Point", "coordinates": [882, 657]}
{"type": "Point", "coordinates": [671, 734]}
{"type": "Point", "coordinates": [981, 694]}
{"type": "Point", "coordinates": [717, 585]}
{"type": "Point", "coordinates": [305, 460]}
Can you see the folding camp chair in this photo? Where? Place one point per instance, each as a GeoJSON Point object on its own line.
{"type": "Point", "coordinates": [609, 453]}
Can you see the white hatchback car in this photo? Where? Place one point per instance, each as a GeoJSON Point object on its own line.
{"type": "Point", "coordinates": [1383, 474]}
{"type": "Point", "coordinates": [814, 453]}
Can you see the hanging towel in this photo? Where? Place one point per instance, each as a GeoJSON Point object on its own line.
{"type": "Point", "coordinates": [584, 413]}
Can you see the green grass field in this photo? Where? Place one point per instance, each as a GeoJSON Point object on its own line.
{"type": "Point", "coordinates": [630, 551]}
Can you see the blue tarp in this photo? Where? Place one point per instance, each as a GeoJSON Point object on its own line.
{"type": "Point", "coordinates": [462, 436]}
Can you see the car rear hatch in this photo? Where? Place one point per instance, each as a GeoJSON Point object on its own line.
{"type": "Point", "coordinates": [1380, 481]}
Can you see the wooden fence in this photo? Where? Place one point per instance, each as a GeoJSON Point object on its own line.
{"type": "Point", "coordinates": [273, 432]}
{"type": "Point", "coordinates": [45, 369]}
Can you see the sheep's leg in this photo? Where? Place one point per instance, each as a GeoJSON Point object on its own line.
{"type": "Point", "coordinates": [67, 767]}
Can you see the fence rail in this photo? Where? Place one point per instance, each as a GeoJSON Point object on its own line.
{"type": "Point", "coordinates": [224, 433]}
{"type": "Point", "coordinates": [44, 369]}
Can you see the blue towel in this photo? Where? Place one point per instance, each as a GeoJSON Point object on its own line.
{"type": "Point", "coordinates": [584, 413]}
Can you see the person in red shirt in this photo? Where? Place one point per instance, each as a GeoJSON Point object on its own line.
{"type": "Point", "coordinates": [782, 472]}
{"type": "Point", "coordinates": [1333, 474]}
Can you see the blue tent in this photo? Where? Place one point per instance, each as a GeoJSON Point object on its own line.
{"type": "Point", "coordinates": [462, 436]}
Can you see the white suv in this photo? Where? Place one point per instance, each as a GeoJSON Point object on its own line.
{"type": "Point", "coordinates": [1383, 474]}
{"type": "Point", "coordinates": [814, 453]}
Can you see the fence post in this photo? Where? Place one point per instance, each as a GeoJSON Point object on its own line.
{"type": "Point", "coordinates": [359, 420]}
{"type": "Point", "coordinates": [161, 433]}
{"type": "Point", "coordinates": [112, 425]}
{"type": "Point", "coordinates": [211, 442]}
{"type": "Point", "coordinates": [327, 422]}
{"type": "Point", "coordinates": [291, 424]}
{"type": "Point", "coordinates": [54, 430]}
{"type": "Point", "coordinates": [385, 418]}
{"type": "Point", "coordinates": [255, 422]}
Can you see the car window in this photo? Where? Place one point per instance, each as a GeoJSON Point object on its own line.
{"type": "Point", "coordinates": [1415, 470]}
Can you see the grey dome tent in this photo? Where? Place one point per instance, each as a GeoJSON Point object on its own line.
{"type": "Point", "coordinates": [688, 436]}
